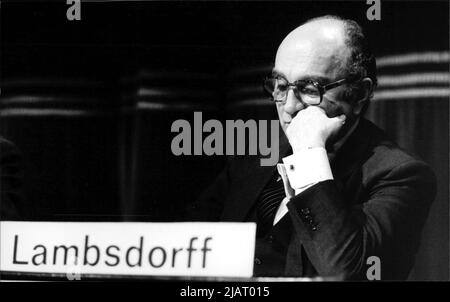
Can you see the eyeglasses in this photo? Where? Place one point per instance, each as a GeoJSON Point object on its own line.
{"type": "Point", "coordinates": [307, 91]}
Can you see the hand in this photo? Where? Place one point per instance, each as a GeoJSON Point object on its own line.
{"type": "Point", "coordinates": [311, 128]}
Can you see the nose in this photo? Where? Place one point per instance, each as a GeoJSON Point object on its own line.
{"type": "Point", "coordinates": [293, 104]}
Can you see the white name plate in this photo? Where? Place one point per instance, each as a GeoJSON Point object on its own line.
{"type": "Point", "coordinates": [158, 249]}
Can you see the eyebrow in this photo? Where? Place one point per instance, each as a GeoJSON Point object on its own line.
{"type": "Point", "coordinates": [320, 79]}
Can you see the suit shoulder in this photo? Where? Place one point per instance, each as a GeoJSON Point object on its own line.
{"type": "Point", "coordinates": [386, 156]}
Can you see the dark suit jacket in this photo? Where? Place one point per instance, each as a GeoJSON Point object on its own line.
{"type": "Point", "coordinates": [11, 181]}
{"type": "Point", "coordinates": [376, 205]}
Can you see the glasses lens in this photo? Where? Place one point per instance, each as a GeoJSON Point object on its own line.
{"type": "Point", "coordinates": [269, 85]}
{"type": "Point", "coordinates": [308, 93]}
{"type": "Point", "coordinates": [277, 88]}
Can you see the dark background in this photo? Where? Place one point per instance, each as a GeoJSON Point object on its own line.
{"type": "Point", "coordinates": [90, 103]}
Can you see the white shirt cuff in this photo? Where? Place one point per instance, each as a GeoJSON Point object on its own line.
{"type": "Point", "coordinates": [307, 167]}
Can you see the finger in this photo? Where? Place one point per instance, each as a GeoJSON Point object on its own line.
{"type": "Point", "coordinates": [315, 109]}
{"type": "Point", "coordinates": [341, 118]}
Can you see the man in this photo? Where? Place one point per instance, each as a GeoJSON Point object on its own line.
{"type": "Point", "coordinates": [11, 181]}
{"type": "Point", "coordinates": [346, 192]}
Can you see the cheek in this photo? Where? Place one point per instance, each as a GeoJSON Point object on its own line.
{"type": "Point", "coordinates": [346, 109]}
{"type": "Point", "coordinates": [336, 108]}
{"type": "Point", "coordinates": [332, 109]}
{"type": "Point", "coordinates": [279, 109]}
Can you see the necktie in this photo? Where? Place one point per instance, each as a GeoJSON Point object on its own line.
{"type": "Point", "coordinates": [269, 201]}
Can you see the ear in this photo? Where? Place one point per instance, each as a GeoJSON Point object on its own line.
{"type": "Point", "coordinates": [364, 93]}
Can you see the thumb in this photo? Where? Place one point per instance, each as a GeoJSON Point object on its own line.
{"type": "Point", "coordinates": [340, 119]}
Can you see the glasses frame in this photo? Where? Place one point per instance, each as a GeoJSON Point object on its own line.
{"type": "Point", "coordinates": [322, 88]}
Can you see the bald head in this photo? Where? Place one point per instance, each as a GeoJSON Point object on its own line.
{"type": "Point", "coordinates": [317, 48]}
